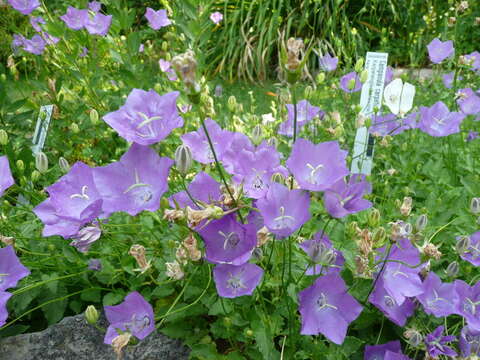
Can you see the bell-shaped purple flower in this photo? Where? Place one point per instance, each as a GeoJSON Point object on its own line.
{"type": "Point", "coordinates": [24, 6]}
{"type": "Point", "coordinates": [166, 67]}
{"type": "Point", "coordinates": [146, 118]}
{"type": "Point", "coordinates": [306, 112]}
{"type": "Point", "coordinates": [327, 308]}
{"type": "Point", "coordinates": [389, 351]}
{"type": "Point", "coordinates": [317, 167]}
{"type": "Point", "coordinates": [95, 6]}
{"type": "Point", "coordinates": [232, 281]}
{"type": "Point", "coordinates": [135, 183]}
{"type": "Point", "coordinates": [4, 296]}
{"type": "Point", "coordinates": [437, 120]}
{"type": "Point", "coordinates": [468, 304]}
{"type": "Point", "coordinates": [11, 269]}
{"type": "Point", "coordinates": [389, 75]}
{"type": "Point", "coordinates": [469, 342]}
{"type": "Point", "coordinates": [216, 17]}
{"type": "Point", "coordinates": [203, 188]}
{"type": "Point", "coordinates": [344, 198]}
{"type": "Point", "coordinates": [35, 45]}
{"type": "Point", "coordinates": [198, 142]}
{"type": "Point", "coordinates": [157, 19]}
{"type": "Point", "coordinates": [435, 343]}
{"type": "Point", "coordinates": [327, 62]}
{"type": "Point", "coordinates": [472, 135]}
{"type": "Point", "coordinates": [55, 224]}
{"type": "Point", "coordinates": [448, 79]}
{"type": "Point", "coordinates": [134, 315]}
{"type": "Point", "coordinates": [439, 51]}
{"type": "Point", "coordinates": [75, 18]}
{"type": "Point", "coordinates": [6, 179]}
{"type": "Point", "coordinates": [98, 24]}
{"type": "Point", "coordinates": [468, 101]}
{"type": "Point", "coordinates": [474, 58]}
{"type": "Point", "coordinates": [438, 299]}
{"type": "Point", "coordinates": [472, 253]}
{"type": "Point", "coordinates": [227, 241]}
{"type": "Point", "coordinates": [86, 237]}
{"type": "Point", "coordinates": [388, 124]}
{"type": "Point", "coordinates": [284, 210]}
{"type": "Point", "coordinates": [325, 257]}
{"type": "Point", "coordinates": [36, 21]}
{"type": "Point", "coordinates": [346, 79]}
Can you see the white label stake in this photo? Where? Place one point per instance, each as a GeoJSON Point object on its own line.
{"type": "Point", "coordinates": [41, 129]}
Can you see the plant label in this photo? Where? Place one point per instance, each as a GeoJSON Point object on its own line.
{"type": "Point", "coordinates": [41, 128]}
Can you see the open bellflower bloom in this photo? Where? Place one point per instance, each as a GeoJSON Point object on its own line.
{"type": "Point", "coordinates": [437, 120]}
{"type": "Point", "coordinates": [472, 253]}
{"type": "Point", "coordinates": [306, 112]}
{"type": "Point", "coordinates": [227, 241]}
{"type": "Point", "coordinates": [166, 67]}
{"type": "Point", "coordinates": [35, 45]}
{"type": "Point", "coordinates": [4, 296]}
{"type": "Point", "coordinates": [216, 17]}
{"type": "Point", "coordinates": [474, 58]}
{"type": "Point", "coordinates": [343, 198]}
{"type": "Point", "coordinates": [468, 101]}
{"type": "Point", "coordinates": [399, 96]}
{"type": "Point", "coordinates": [232, 281]}
{"type": "Point", "coordinates": [321, 251]}
{"type": "Point", "coordinates": [438, 299]}
{"type": "Point", "coordinates": [317, 167]}
{"type": "Point", "coordinates": [469, 342]}
{"type": "Point", "coordinates": [134, 315]}
{"type": "Point", "coordinates": [448, 79]}
{"type": "Point", "coordinates": [75, 18]}
{"type": "Point", "coordinates": [327, 62]}
{"type": "Point", "coordinates": [203, 188]}
{"type": "Point", "coordinates": [11, 269]}
{"type": "Point", "coordinates": [284, 210]}
{"type": "Point", "coordinates": [36, 21]}
{"type": "Point", "coordinates": [24, 6]}
{"type": "Point", "coordinates": [468, 304]}
{"type": "Point", "coordinates": [326, 308]}
{"type": "Point", "coordinates": [135, 183]}
{"type": "Point", "coordinates": [439, 51]}
{"type": "Point", "coordinates": [95, 6]}
{"type": "Point", "coordinates": [6, 179]}
{"type": "Point", "coordinates": [98, 24]}
{"type": "Point", "coordinates": [157, 19]}
{"type": "Point", "coordinates": [345, 80]}
{"type": "Point", "coordinates": [435, 343]}
{"type": "Point", "coordinates": [146, 118]}
{"type": "Point", "coordinates": [389, 351]}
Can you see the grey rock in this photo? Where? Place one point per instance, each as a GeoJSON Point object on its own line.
{"type": "Point", "coordinates": [74, 339]}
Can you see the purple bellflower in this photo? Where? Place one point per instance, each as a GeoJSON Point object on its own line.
{"type": "Point", "coordinates": [343, 198]}
{"type": "Point", "coordinates": [474, 57]}
{"type": "Point", "coordinates": [227, 241]}
{"type": "Point", "coordinates": [4, 296]}
{"type": "Point", "coordinates": [468, 101]}
{"type": "Point", "coordinates": [379, 352]}
{"type": "Point", "coordinates": [435, 343]}
{"type": "Point", "coordinates": [472, 135]}
{"type": "Point", "coordinates": [216, 17]}
{"type": "Point", "coordinates": [95, 6]}
{"type": "Point", "coordinates": [95, 265]}
{"type": "Point", "coordinates": [202, 188]}
{"type": "Point", "coordinates": [317, 167]}
{"type": "Point", "coordinates": [448, 79]}
{"type": "Point", "coordinates": [55, 224]}
{"type": "Point", "coordinates": [75, 18]}
{"type": "Point", "coordinates": [98, 24]}
{"type": "Point", "coordinates": [232, 281]}
{"type": "Point", "coordinates": [437, 120]}
{"type": "Point", "coordinates": [284, 210]}
{"type": "Point", "coordinates": [146, 118]}
{"type": "Point", "coordinates": [325, 257]}
{"type": "Point", "coordinates": [469, 342]}
{"type": "Point", "coordinates": [166, 67]}
{"type": "Point", "coordinates": [439, 51]}
{"type": "Point", "coordinates": [345, 79]}
{"type": "Point", "coordinates": [35, 45]}
{"type": "Point", "coordinates": [438, 299]}
{"type": "Point", "coordinates": [6, 179]}
{"type": "Point", "coordinates": [157, 19]}
{"type": "Point", "coordinates": [387, 124]}
{"type": "Point", "coordinates": [135, 183]}
{"type": "Point", "coordinates": [11, 269]}
{"type": "Point", "coordinates": [306, 112]}
{"type": "Point", "coordinates": [86, 237]}
{"type": "Point", "coordinates": [327, 62]}
{"type": "Point", "coordinates": [468, 304]}
{"type": "Point", "coordinates": [233, 161]}
{"type": "Point", "coordinates": [327, 308]}
{"type": "Point", "coordinates": [36, 21]}
{"type": "Point", "coordinates": [472, 253]}
{"type": "Point", "coordinates": [134, 315]}
{"type": "Point", "coordinates": [24, 6]}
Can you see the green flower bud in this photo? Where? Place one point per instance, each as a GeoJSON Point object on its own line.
{"type": "Point", "coordinates": [359, 65]}
{"type": "Point", "coordinates": [94, 116]}
{"type": "Point", "coordinates": [3, 137]}
{"type": "Point", "coordinates": [158, 88]}
{"type": "Point", "coordinates": [364, 76]}
{"type": "Point", "coordinates": [35, 175]}
{"type": "Point", "coordinates": [278, 178]}
{"type": "Point", "coordinates": [421, 222]}
{"type": "Point", "coordinates": [249, 332]}
{"type": "Point", "coordinates": [165, 46]}
{"type": "Point", "coordinates": [475, 206]}
{"type": "Point", "coordinates": [308, 92]}
{"type": "Point", "coordinates": [320, 78]}
{"type": "Point", "coordinates": [63, 164]}
{"type": "Point", "coordinates": [257, 135]}
{"type": "Point", "coordinates": [379, 237]}
{"type": "Point", "coordinates": [217, 212]}
{"type": "Point", "coordinates": [352, 229]}
{"type": "Point", "coordinates": [232, 104]}
{"type": "Point", "coordinates": [374, 218]}
{"type": "Point", "coordinates": [91, 315]}
{"type": "Point", "coordinates": [74, 128]}
{"type": "Point", "coordinates": [453, 269]}
{"type": "Point", "coordinates": [20, 165]}
{"type": "Point", "coordinates": [3, 77]}
{"type": "Point", "coordinates": [41, 162]}
{"type": "Point", "coordinates": [227, 321]}
{"type": "Point", "coordinates": [183, 159]}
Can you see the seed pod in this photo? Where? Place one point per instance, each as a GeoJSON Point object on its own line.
{"type": "Point", "coordinates": [453, 269]}
{"type": "Point", "coordinates": [20, 165]}
{"type": "Point", "coordinates": [257, 135]}
{"type": "Point", "coordinates": [232, 103]}
{"type": "Point", "coordinates": [74, 128]}
{"type": "Point", "coordinates": [63, 164]}
{"type": "Point", "coordinates": [407, 228]}
{"type": "Point", "coordinates": [94, 116]}
{"type": "Point", "coordinates": [183, 159]}
{"type": "Point", "coordinates": [359, 65]}
{"type": "Point", "coordinates": [475, 206]}
{"type": "Point", "coordinates": [91, 315]}
{"type": "Point", "coordinates": [421, 222]}
{"type": "Point", "coordinates": [406, 206]}
{"type": "Point", "coordinates": [364, 76]}
{"type": "Point", "coordinates": [165, 46]}
{"type": "Point", "coordinates": [41, 162]}
{"type": "Point", "coordinates": [3, 137]}
{"type": "Point", "coordinates": [35, 175]}
{"type": "Point", "coordinates": [463, 244]}
{"type": "Point", "coordinates": [308, 92]}
{"type": "Point", "coordinates": [414, 337]}
{"type": "Point", "coordinates": [374, 218]}
{"type": "Point", "coordinates": [320, 78]}
{"type": "Point", "coordinates": [379, 237]}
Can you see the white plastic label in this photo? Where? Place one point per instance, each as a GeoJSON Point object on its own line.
{"type": "Point", "coordinates": [41, 129]}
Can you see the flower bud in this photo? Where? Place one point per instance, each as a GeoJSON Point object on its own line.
{"type": "Point", "coordinates": [91, 315]}
{"type": "Point", "coordinates": [74, 128]}
{"type": "Point", "coordinates": [278, 178]}
{"type": "Point", "coordinates": [183, 159]}
{"type": "Point", "coordinates": [273, 142]}
{"type": "Point", "coordinates": [359, 65]}
{"type": "Point", "coordinates": [407, 228]}
{"type": "Point", "coordinates": [3, 137]}
{"type": "Point", "coordinates": [227, 321]}
{"type": "Point", "coordinates": [364, 76]}
{"type": "Point", "coordinates": [406, 206]}
{"type": "Point", "coordinates": [463, 244]}
{"type": "Point", "coordinates": [94, 116]}
{"type": "Point", "coordinates": [475, 206]}
{"type": "Point", "coordinates": [421, 222]}
{"type": "Point", "coordinates": [352, 229]}
{"type": "Point", "coordinates": [249, 333]}
{"type": "Point", "coordinates": [379, 237]}
{"type": "Point", "coordinates": [320, 78]}
{"type": "Point", "coordinates": [20, 165]}
{"type": "Point", "coordinates": [63, 164]}
{"type": "Point", "coordinates": [308, 92]}
{"type": "Point", "coordinates": [374, 218]}
{"type": "Point", "coordinates": [164, 46]}
{"type": "Point", "coordinates": [453, 269]}
{"type": "Point", "coordinates": [257, 254]}
{"type": "Point", "coordinates": [351, 84]}
{"type": "Point", "coordinates": [414, 337]}
{"type": "Point", "coordinates": [257, 135]}
{"type": "Point", "coordinates": [41, 162]}
{"type": "Point", "coordinates": [232, 104]}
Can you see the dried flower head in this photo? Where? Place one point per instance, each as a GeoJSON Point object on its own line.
{"type": "Point", "coordinates": [138, 252]}
{"type": "Point", "coordinates": [431, 251]}
{"type": "Point", "coordinates": [119, 342]}
{"type": "Point", "coordinates": [406, 206]}
{"type": "Point", "coordinates": [174, 270]}
{"type": "Point", "coordinates": [294, 48]}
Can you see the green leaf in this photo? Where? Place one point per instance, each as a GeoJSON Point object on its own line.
{"type": "Point", "coordinates": [264, 340]}
{"type": "Point", "coordinates": [112, 299]}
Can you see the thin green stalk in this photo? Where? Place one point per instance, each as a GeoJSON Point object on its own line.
{"type": "Point", "coordinates": [379, 273]}
{"type": "Point", "coordinates": [26, 288]}
{"type": "Point", "coordinates": [294, 99]}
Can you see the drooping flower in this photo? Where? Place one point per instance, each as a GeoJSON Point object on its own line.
{"type": "Point", "coordinates": [232, 281]}
{"type": "Point", "coordinates": [35, 45]}
{"type": "Point", "coordinates": [11, 269]}
{"type": "Point", "coordinates": [305, 113]}
{"type": "Point", "coordinates": [439, 51]}
{"type": "Point", "coordinates": [24, 6]}
{"type": "Point", "coordinates": [166, 67]}
{"type": "Point", "coordinates": [435, 343]}
{"type": "Point", "coordinates": [438, 299]}
{"type": "Point", "coordinates": [468, 304]}
{"type": "Point", "coordinates": [350, 78]}
{"type": "Point", "coordinates": [317, 167]}
{"type": "Point", "coordinates": [6, 179]}
{"type": "Point", "coordinates": [344, 198]}
{"type": "Point", "coordinates": [327, 62]}
{"type": "Point", "coordinates": [135, 183]}
{"type": "Point", "coordinates": [35, 21]}
{"type": "Point", "coordinates": [227, 241]}
{"type": "Point", "coordinates": [157, 19]}
{"type": "Point", "coordinates": [284, 210]}
{"type": "Point", "coordinates": [325, 257]}
{"type": "Point", "coordinates": [384, 351]}
{"type": "Point", "coordinates": [469, 342]}
{"type": "Point", "coordinates": [146, 117]}
{"type": "Point", "coordinates": [133, 315]}
{"type": "Point", "coordinates": [472, 253]}
{"type": "Point", "coordinates": [437, 120]}
{"type": "Point", "coordinates": [327, 308]}
{"type": "Point", "coordinates": [216, 17]}
{"type": "Point", "coordinates": [98, 24]}
{"type": "Point", "coordinates": [4, 296]}
{"type": "Point", "coordinates": [468, 101]}
{"type": "Point", "coordinates": [75, 18]}
{"type": "Point", "coordinates": [86, 237]}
